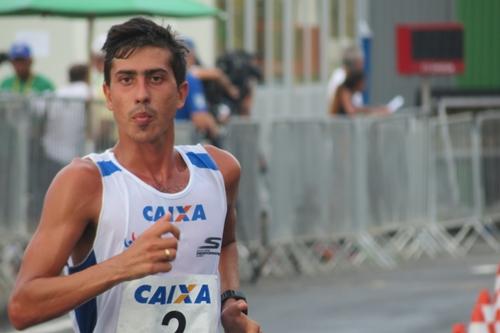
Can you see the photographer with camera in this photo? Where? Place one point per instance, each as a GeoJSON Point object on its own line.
{"type": "Point", "coordinates": [243, 71]}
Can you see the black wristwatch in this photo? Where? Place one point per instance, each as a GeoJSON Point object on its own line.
{"type": "Point", "coordinates": [235, 294]}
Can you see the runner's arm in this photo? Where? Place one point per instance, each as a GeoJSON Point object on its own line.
{"type": "Point", "coordinates": [228, 263]}
{"type": "Point", "coordinates": [72, 205]}
{"type": "Point", "coordinates": [233, 316]}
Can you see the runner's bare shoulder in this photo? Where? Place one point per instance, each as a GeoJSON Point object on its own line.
{"type": "Point", "coordinates": [79, 180]}
{"type": "Point", "coordinates": [226, 162]}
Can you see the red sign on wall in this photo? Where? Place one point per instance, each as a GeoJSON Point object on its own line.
{"type": "Point", "coordinates": [430, 49]}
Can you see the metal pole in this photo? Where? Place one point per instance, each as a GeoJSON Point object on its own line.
{"type": "Point", "coordinates": [426, 95]}
{"type": "Point", "coordinates": [477, 183]}
{"type": "Point", "coordinates": [22, 127]}
{"type": "Point", "coordinates": [90, 36]}
{"type": "Point", "coordinates": [249, 27]}
{"type": "Point", "coordinates": [324, 35]}
{"type": "Point", "coordinates": [288, 45]}
{"type": "Point", "coordinates": [341, 19]}
{"type": "Point", "coordinates": [307, 47]}
{"type": "Point", "coordinates": [229, 25]}
{"type": "Point", "coordinates": [448, 151]}
{"type": "Point", "coordinates": [269, 42]}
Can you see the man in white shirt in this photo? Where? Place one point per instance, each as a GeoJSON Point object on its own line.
{"type": "Point", "coordinates": [114, 220]}
{"type": "Point", "coordinates": [65, 128]}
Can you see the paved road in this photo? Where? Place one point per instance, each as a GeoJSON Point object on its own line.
{"type": "Point", "coordinates": [418, 296]}
{"type": "Point", "coordinates": [421, 296]}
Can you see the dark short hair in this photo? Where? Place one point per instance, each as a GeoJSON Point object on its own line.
{"type": "Point", "coordinates": [78, 72]}
{"type": "Point", "coordinates": [353, 79]}
{"type": "Point", "coordinates": [123, 39]}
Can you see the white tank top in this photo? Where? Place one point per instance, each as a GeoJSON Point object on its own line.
{"type": "Point", "coordinates": [130, 206]}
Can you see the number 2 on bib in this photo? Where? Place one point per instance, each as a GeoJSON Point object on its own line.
{"type": "Point", "coordinates": [181, 320]}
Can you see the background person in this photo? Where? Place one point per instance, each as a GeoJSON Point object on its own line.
{"type": "Point", "coordinates": [64, 129]}
{"type": "Point", "coordinates": [64, 135]}
{"type": "Point", "coordinates": [24, 81]}
{"type": "Point", "coordinates": [195, 108]}
{"type": "Point", "coordinates": [212, 77]}
{"type": "Point", "coordinates": [138, 219]}
{"type": "Point", "coordinates": [352, 61]}
{"type": "Point", "coordinates": [243, 70]}
{"type": "Point", "coordinates": [343, 101]}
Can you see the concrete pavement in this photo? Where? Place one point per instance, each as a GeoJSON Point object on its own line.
{"type": "Point", "coordinates": [420, 296]}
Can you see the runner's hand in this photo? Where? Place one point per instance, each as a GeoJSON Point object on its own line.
{"type": "Point", "coordinates": [234, 319]}
{"type": "Point", "coordinates": [148, 253]}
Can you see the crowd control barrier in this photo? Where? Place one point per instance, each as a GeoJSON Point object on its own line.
{"type": "Point", "coordinates": [315, 192]}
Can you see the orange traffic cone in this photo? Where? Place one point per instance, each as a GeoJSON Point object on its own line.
{"type": "Point", "coordinates": [496, 304]}
{"type": "Point", "coordinates": [458, 328]}
{"type": "Point", "coordinates": [484, 301]}
{"type": "Point", "coordinates": [496, 324]}
{"type": "Point", "coordinates": [478, 324]}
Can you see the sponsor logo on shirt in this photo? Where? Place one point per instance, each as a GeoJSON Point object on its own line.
{"type": "Point", "coordinates": [188, 213]}
{"type": "Point", "coordinates": [211, 247]}
{"type": "Point", "coordinates": [173, 294]}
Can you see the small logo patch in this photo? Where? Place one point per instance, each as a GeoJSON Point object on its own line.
{"type": "Point", "coordinates": [211, 247]}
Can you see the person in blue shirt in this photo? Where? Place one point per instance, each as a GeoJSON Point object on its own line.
{"type": "Point", "coordinates": [195, 109]}
{"type": "Point", "coordinates": [195, 101]}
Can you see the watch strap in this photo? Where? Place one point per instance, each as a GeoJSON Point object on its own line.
{"type": "Point", "coordinates": [234, 294]}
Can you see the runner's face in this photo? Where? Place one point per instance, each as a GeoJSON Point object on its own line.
{"type": "Point", "coordinates": [143, 94]}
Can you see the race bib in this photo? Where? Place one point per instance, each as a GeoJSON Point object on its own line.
{"type": "Point", "coordinates": [170, 304]}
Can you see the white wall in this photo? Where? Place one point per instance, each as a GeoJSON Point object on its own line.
{"type": "Point", "coordinates": [61, 42]}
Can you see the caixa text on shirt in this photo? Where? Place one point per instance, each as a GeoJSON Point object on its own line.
{"type": "Point", "coordinates": [185, 213]}
{"type": "Point", "coordinates": [173, 294]}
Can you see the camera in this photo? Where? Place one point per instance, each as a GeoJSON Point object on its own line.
{"type": "Point", "coordinates": [241, 68]}
{"type": "Point", "coordinates": [3, 57]}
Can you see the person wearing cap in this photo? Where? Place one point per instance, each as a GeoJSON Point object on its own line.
{"type": "Point", "coordinates": [24, 81]}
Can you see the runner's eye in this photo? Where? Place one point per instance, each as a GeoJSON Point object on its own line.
{"type": "Point", "coordinates": [125, 80]}
{"type": "Point", "coordinates": [156, 78]}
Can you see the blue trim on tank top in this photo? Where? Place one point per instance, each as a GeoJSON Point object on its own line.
{"type": "Point", "coordinates": [107, 168]}
{"type": "Point", "coordinates": [202, 160]}
{"type": "Point", "coordinates": [86, 314]}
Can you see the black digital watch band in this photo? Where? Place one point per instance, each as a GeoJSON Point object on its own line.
{"type": "Point", "coordinates": [234, 294]}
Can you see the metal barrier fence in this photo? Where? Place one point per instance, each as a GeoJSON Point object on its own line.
{"type": "Point", "coordinates": [488, 196]}
{"type": "Point", "coordinates": [379, 189]}
{"type": "Point", "coordinates": [315, 192]}
{"type": "Point", "coordinates": [14, 126]}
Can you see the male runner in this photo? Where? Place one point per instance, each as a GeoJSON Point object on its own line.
{"type": "Point", "coordinates": [147, 229]}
